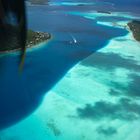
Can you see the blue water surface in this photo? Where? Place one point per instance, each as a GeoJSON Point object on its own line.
{"type": "Point", "coordinates": [73, 39]}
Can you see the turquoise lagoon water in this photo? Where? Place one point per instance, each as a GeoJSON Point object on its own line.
{"type": "Point", "coordinates": [67, 91]}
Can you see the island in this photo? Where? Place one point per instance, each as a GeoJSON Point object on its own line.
{"type": "Point", "coordinates": [9, 39]}
{"type": "Point", "coordinates": [40, 2]}
{"type": "Point", "coordinates": [135, 28]}
{"type": "Point", "coordinates": [36, 37]}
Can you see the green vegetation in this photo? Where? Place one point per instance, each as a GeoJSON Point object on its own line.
{"type": "Point", "coordinates": [38, 1]}
{"type": "Point", "coordinates": [34, 38]}
{"type": "Point", "coordinates": [135, 28]}
{"type": "Point", "coordinates": [9, 38]}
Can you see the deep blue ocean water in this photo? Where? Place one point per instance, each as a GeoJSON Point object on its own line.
{"type": "Point", "coordinates": [73, 39]}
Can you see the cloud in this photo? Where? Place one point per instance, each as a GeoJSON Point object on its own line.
{"type": "Point", "coordinates": [125, 110]}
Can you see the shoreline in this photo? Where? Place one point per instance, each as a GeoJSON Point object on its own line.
{"type": "Point", "coordinates": [37, 2]}
{"type": "Point", "coordinates": [134, 27]}
{"type": "Point", "coordinates": [34, 38]}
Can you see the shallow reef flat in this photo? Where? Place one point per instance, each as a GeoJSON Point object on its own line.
{"type": "Point", "coordinates": [98, 99]}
